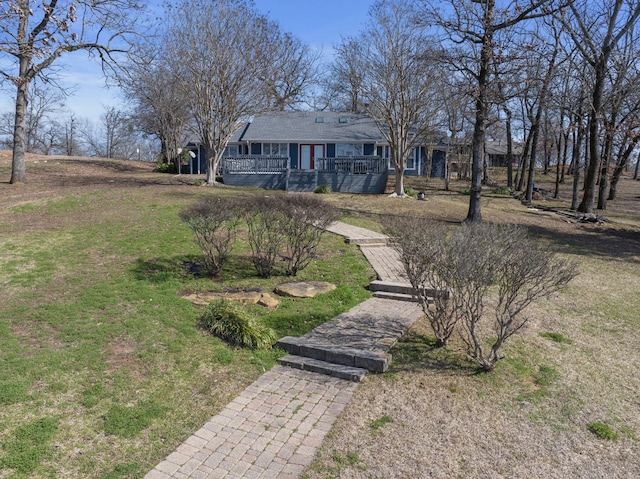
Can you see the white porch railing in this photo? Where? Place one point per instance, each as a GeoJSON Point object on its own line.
{"type": "Point", "coordinates": [257, 164]}
{"type": "Point", "coordinates": [353, 165]}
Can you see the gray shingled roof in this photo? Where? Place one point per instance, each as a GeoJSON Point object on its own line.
{"type": "Point", "coordinates": [299, 126]}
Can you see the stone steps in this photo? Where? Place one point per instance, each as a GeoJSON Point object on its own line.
{"type": "Point", "coordinates": [322, 367]}
{"type": "Point", "coordinates": [369, 242]}
{"type": "Point", "coordinates": [335, 354]}
{"type": "Point", "coordinates": [401, 289]}
{"type": "Point", "coordinates": [394, 296]}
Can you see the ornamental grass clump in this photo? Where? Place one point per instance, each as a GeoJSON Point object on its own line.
{"type": "Point", "coordinates": [232, 323]}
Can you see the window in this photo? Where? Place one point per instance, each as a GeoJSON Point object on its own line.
{"type": "Point", "coordinates": [320, 119]}
{"type": "Point", "coordinates": [349, 149]}
{"type": "Point", "coordinates": [411, 161]}
{"type": "Point", "coordinates": [231, 151]}
{"type": "Point", "coordinates": [279, 149]}
{"type": "Point", "coordinates": [343, 119]}
{"type": "Point", "coordinates": [385, 152]}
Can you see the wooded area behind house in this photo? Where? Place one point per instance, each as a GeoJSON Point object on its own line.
{"type": "Point", "coordinates": [558, 78]}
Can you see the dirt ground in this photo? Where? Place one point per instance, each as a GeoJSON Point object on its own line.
{"type": "Point", "coordinates": [432, 415]}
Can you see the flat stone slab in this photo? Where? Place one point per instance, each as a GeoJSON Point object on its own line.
{"type": "Point", "coordinates": [339, 371]}
{"type": "Point", "coordinates": [244, 297]}
{"type": "Point", "coordinates": [375, 325]}
{"type": "Point", "coordinates": [304, 289]}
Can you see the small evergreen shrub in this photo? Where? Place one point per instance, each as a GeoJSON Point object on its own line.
{"type": "Point", "coordinates": [162, 167]}
{"type": "Point", "coordinates": [502, 190]}
{"type": "Point", "coordinates": [232, 323]}
{"type": "Point", "coordinates": [322, 189]}
{"type": "Point", "coordinates": [465, 191]}
{"type": "Point", "coordinates": [410, 192]}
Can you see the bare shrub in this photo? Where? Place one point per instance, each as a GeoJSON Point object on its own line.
{"type": "Point", "coordinates": [305, 218]}
{"type": "Point", "coordinates": [214, 222]}
{"type": "Point", "coordinates": [507, 262]}
{"type": "Point", "coordinates": [265, 220]}
{"type": "Point", "coordinates": [421, 244]}
{"type": "Point", "coordinates": [479, 265]}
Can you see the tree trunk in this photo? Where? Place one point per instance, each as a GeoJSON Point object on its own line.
{"type": "Point", "coordinates": [18, 170]}
{"type": "Point", "coordinates": [588, 198]}
{"type": "Point", "coordinates": [621, 166]}
{"type": "Point", "coordinates": [212, 165]}
{"type": "Point", "coordinates": [399, 189]}
{"type": "Point", "coordinates": [575, 160]}
{"type": "Point", "coordinates": [604, 183]}
{"type": "Point", "coordinates": [637, 170]}
{"type": "Point", "coordinates": [532, 162]}
{"type": "Point", "coordinates": [509, 151]}
{"type": "Point", "coordinates": [474, 215]}
{"type": "Point", "coordinates": [565, 152]}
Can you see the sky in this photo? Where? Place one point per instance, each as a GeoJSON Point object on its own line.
{"type": "Point", "coordinates": [318, 23]}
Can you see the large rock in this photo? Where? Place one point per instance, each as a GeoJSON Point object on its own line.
{"type": "Point", "coordinates": [244, 297]}
{"type": "Point", "coordinates": [304, 289]}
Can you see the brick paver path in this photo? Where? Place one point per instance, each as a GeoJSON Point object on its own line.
{"type": "Point", "coordinates": [273, 428]}
{"type": "Point", "coordinates": [384, 258]}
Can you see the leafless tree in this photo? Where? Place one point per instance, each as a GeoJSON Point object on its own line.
{"type": "Point", "coordinates": [471, 26]}
{"type": "Point", "coordinates": [343, 88]}
{"type": "Point", "coordinates": [286, 66]}
{"type": "Point", "coordinates": [153, 83]}
{"type": "Point", "coordinates": [397, 62]}
{"type": "Point", "coordinates": [224, 49]}
{"type": "Point", "coordinates": [596, 28]}
{"type": "Point", "coordinates": [113, 137]}
{"type": "Point", "coordinates": [522, 270]}
{"type": "Point", "coordinates": [33, 35]}
{"type": "Point", "coordinates": [422, 246]}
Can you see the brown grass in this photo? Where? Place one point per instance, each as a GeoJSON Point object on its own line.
{"type": "Point", "coordinates": [449, 421]}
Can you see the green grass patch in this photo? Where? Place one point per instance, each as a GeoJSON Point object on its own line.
{"type": "Point", "coordinates": [129, 421]}
{"type": "Point", "coordinates": [12, 392]}
{"type": "Point", "coordinates": [602, 430]}
{"type": "Point", "coordinates": [546, 376]}
{"type": "Point", "coordinates": [28, 445]}
{"type": "Point", "coordinates": [93, 319]}
{"type": "Point", "coordinates": [557, 337]}
{"type": "Point", "coordinates": [25, 208]}
{"type": "Point", "coordinates": [502, 190]}
{"type": "Point", "coordinates": [124, 471]}
{"type": "Point", "coordinates": [376, 424]}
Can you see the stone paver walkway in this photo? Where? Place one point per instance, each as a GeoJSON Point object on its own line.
{"type": "Point", "coordinates": [273, 428]}
{"type": "Point", "coordinates": [375, 247]}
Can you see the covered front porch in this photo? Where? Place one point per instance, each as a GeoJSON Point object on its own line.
{"type": "Point", "coordinates": [352, 174]}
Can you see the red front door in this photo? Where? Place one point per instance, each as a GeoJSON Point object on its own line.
{"type": "Point", "coordinates": [308, 155]}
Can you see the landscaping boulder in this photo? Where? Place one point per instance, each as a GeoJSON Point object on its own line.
{"type": "Point", "coordinates": [304, 289]}
{"type": "Point", "coordinates": [244, 297]}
